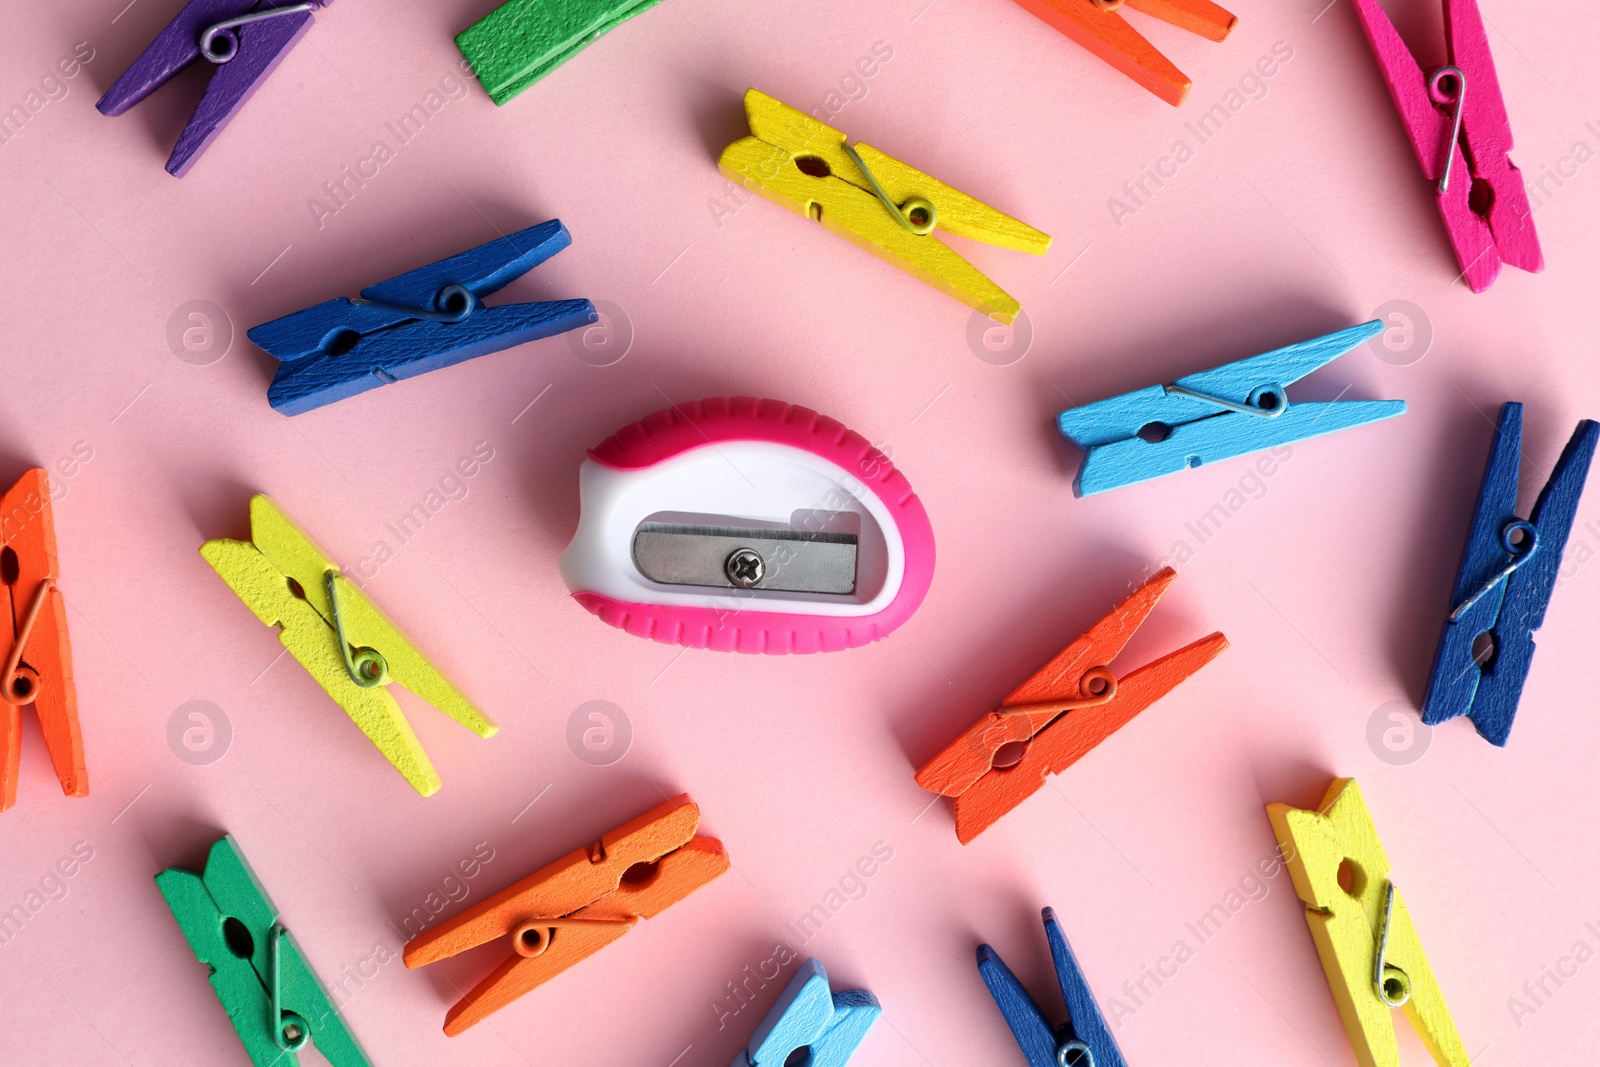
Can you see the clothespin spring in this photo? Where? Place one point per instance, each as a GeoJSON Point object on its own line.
{"type": "Point", "coordinates": [1098, 684]}
{"type": "Point", "coordinates": [1436, 93]}
{"type": "Point", "coordinates": [1393, 987]}
{"type": "Point", "coordinates": [289, 1031]}
{"type": "Point", "coordinates": [455, 304]}
{"type": "Point", "coordinates": [1520, 552]}
{"type": "Point", "coordinates": [917, 214]}
{"type": "Point", "coordinates": [367, 668]}
{"type": "Point", "coordinates": [1075, 1053]}
{"type": "Point", "coordinates": [533, 937]}
{"type": "Point", "coordinates": [212, 34]}
{"type": "Point", "coordinates": [1268, 402]}
{"type": "Point", "coordinates": [15, 687]}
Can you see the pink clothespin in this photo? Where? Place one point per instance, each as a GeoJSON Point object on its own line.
{"type": "Point", "coordinates": [1458, 126]}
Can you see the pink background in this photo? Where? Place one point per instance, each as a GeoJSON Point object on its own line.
{"type": "Point", "coordinates": [1304, 215]}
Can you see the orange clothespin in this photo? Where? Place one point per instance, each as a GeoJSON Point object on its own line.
{"type": "Point", "coordinates": [36, 661]}
{"type": "Point", "coordinates": [1096, 25]}
{"type": "Point", "coordinates": [1054, 718]}
{"type": "Point", "coordinates": [576, 906]}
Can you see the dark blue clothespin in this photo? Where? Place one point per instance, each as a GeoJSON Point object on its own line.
{"type": "Point", "coordinates": [244, 39]}
{"type": "Point", "coordinates": [430, 318]}
{"type": "Point", "coordinates": [809, 1016]}
{"type": "Point", "coordinates": [1508, 571]}
{"type": "Point", "coordinates": [1083, 1040]}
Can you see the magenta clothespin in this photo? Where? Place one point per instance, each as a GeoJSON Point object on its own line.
{"type": "Point", "coordinates": [245, 39]}
{"type": "Point", "coordinates": [1459, 128]}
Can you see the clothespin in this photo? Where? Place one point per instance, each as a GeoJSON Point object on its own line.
{"type": "Point", "coordinates": [427, 319]}
{"type": "Point", "coordinates": [809, 1016]}
{"type": "Point", "coordinates": [35, 655]}
{"type": "Point", "coordinates": [1096, 25]}
{"type": "Point", "coordinates": [1508, 571]}
{"type": "Point", "coordinates": [1457, 122]}
{"type": "Point", "coordinates": [1370, 951]}
{"type": "Point", "coordinates": [1083, 1040]}
{"type": "Point", "coordinates": [518, 43]}
{"type": "Point", "coordinates": [341, 638]}
{"type": "Point", "coordinates": [1062, 711]}
{"type": "Point", "coordinates": [874, 200]}
{"type": "Point", "coordinates": [1229, 411]}
{"type": "Point", "coordinates": [576, 906]}
{"type": "Point", "coordinates": [244, 39]}
{"type": "Point", "coordinates": [272, 996]}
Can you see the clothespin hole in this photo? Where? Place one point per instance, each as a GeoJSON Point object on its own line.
{"type": "Point", "coordinates": [1481, 197]}
{"type": "Point", "coordinates": [10, 566]}
{"type": "Point", "coordinates": [1154, 432]}
{"type": "Point", "coordinates": [1351, 878]}
{"type": "Point", "coordinates": [339, 342]}
{"type": "Point", "coordinates": [918, 216]}
{"type": "Point", "coordinates": [455, 299]}
{"type": "Point", "coordinates": [800, 1057]}
{"type": "Point", "coordinates": [297, 589]}
{"type": "Point", "coordinates": [640, 875]}
{"type": "Point", "coordinates": [21, 687]}
{"type": "Point", "coordinates": [237, 935]}
{"type": "Point", "coordinates": [1107, 5]}
{"type": "Point", "coordinates": [815, 166]}
{"type": "Point", "coordinates": [1008, 755]}
{"type": "Point", "coordinates": [1484, 647]}
{"type": "Point", "coordinates": [1396, 990]}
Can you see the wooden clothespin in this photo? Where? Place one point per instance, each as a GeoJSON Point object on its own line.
{"type": "Point", "coordinates": [1457, 122]}
{"type": "Point", "coordinates": [244, 39]}
{"type": "Point", "coordinates": [520, 42]}
{"type": "Point", "coordinates": [1508, 571]}
{"type": "Point", "coordinates": [810, 1016]}
{"type": "Point", "coordinates": [1097, 26]}
{"type": "Point", "coordinates": [1065, 709]}
{"type": "Point", "coordinates": [576, 906]}
{"type": "Point", "coordinates": [1083, 1040]}
{"type": "Point", "coordinates": [36, 661]}
{"type": "Point", "coordinates": [1362, 930]}
{"type": "Point", "coordinates": [272, 996]}
{"type": "Point", "coordinates": [874, 200]}
{"type": "Point", "coordinates": [427, 319]}
{"type": "Point", "coordinates": [341, 638]}
{"type": "Point", "coordinates": [1229, 411]}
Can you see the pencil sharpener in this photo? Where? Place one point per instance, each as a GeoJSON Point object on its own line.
{"type": "Point", "coordinates": [746, 525]}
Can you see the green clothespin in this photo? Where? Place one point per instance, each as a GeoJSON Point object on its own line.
{"type": "Point", "coordinates": [270, 993]}
{"type": "Point", "coordinates": [517, 44]}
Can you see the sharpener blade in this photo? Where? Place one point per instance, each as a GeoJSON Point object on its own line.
{"type": "Point", "coordinates": [732, 557]}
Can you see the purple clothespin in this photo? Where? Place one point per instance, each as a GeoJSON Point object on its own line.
{"type": "Point", "coordinates": [246, 39]}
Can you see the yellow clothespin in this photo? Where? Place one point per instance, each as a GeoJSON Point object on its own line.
{"type": "Point", "coordinates": [340, 637]}
{"type": "Point", "coordinates": [1370, 951]}
{"type": "Point", "coordinates": [875, 200]}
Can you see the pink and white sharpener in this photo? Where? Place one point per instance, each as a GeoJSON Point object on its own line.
{"type": "Point", "coordinates": [747, 525]}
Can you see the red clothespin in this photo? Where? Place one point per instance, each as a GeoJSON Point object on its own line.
{"type": "Point", "coordinates": [1098, 26]}
{"type": "Point", "coordinates": [576, 906]}
{"type": "Point", "coordinates": [1065, 709]}
{"type": "Point", "coordinates": [36, 664]}
{"type": "Point", "coordinates": [1457, 122]}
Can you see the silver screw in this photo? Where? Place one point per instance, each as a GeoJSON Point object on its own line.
{"type": "Point", "coordinates": [745, 568]}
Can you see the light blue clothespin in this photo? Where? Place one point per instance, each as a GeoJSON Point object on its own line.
{"type": "Point", "coordinates": [809, 1015]}
{"type": "Point", "coordinates": [1232, 410]}
{"type": "Point", "coordinates": [1083, 1040]}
